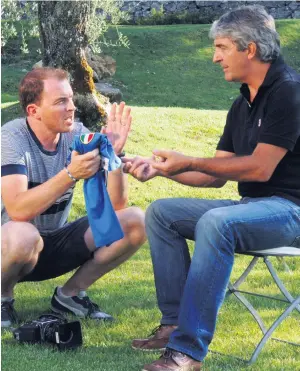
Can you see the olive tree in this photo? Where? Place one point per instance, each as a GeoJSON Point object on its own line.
{"type": "Point", "coordinates": [68, 30]}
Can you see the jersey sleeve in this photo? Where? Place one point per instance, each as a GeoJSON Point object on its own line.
{"type": "Point", "coordinates": [12, 156]}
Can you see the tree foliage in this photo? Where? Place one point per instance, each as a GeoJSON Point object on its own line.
{"type": "Point", "coordinates": [67, 29]}
{"type": "Point", "coordinates": [12, 14]}
{"type": "Point", "coordinates": [104, 13]}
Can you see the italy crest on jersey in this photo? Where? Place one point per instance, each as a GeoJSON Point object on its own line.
{"type": "Point", "coordinates": [86, 138]}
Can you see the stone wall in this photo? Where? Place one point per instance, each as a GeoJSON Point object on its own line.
{"type": "Point", "coordinates": [205, 11]}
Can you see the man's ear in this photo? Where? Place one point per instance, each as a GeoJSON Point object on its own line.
{"type": "Point", "coordinates": [252, 49]}
{"type": "Point", "coordinates": [33, 111]}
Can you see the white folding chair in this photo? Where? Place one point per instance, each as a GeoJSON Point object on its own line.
{"type": "Point", "coordinates": [293, 302]}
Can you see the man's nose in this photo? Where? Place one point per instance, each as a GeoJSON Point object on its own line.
{"type": "Point", "coordinates": [217, 57]}
{"type": "Point", "coordinates": [71, 105]}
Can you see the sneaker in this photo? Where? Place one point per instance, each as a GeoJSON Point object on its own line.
{"type": "Point", "coordinates": [80, 306]}
{"type": "Point", "coordinates": [171, 360]}
{"type": "Point", "coordinates": [156, 341]}
{"type": "Point", "coordinates": [8, 313]}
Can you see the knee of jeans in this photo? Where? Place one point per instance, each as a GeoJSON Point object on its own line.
{"type": "Point", "coordinates": [155, 212]}
{"type": "Point", "coordinates": [213, 223]}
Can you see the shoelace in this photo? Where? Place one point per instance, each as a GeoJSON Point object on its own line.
{"type": "Point", "coordinates": [92, 307]}
{"type": "Point", "coordinates": [7, 306]}
{"type": "Point", "coordinates": [155, 330]}
{"type": "Point", "coordinates": [169, 354]}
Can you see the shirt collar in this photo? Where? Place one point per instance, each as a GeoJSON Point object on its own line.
{"type": "Point", "coordinates": [39, 144]}
{"type": "Point", "coordinates": [272, 75]}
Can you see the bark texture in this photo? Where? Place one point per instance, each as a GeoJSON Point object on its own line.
{"type": "Point", "coordinates": [63, 35]}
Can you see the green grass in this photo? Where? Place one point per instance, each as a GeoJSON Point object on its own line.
{"type": "Point", "coordinates": [179, 101]}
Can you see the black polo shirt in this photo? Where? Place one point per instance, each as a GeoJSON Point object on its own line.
{"type": "Point", "coordinates": [274, 118]}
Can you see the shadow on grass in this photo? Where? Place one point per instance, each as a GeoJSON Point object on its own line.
{"type": "Point", "coordinates": [107, 346]}
{"type": "Point", "coordinates": [115, 298]}
{"type": "Point", "coordinates": [171, 66]}
{"type": "Point", "coordinates": [117, 356]}
{"type": "Point", "coordinates": [167, 66]}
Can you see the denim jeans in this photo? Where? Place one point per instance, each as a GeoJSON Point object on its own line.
{"type": "Point", "coordinates": [191, 291]}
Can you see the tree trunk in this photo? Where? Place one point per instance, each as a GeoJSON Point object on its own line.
{"type": "Point", "coordinates": [63, 37]}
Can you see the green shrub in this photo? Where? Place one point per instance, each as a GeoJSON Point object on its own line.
{"type": "Point", "coordinates": [158, 17]}
{"type": "Point", "coordinates": [21, 37]}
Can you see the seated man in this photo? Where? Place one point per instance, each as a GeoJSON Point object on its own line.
{"type": "Point", "coordinates": [37, 190]}
{"type": "Point", "coordinates": [260, 149]}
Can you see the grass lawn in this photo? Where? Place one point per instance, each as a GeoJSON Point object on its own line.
{"type": "Point", "coordinates": [179, 101]}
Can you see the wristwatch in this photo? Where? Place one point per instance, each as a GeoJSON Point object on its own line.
{"type": "Point", "coordinates": [122, 154]}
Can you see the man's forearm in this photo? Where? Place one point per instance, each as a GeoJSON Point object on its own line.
{"type": "Point", "coordinates": [117, 187]}
{"type": "Point", "coordinates": [242, 169]}
{"type": "Point", "coordinates": [197, 179]}
{"type": "Point", "coordinates": [33, 202]}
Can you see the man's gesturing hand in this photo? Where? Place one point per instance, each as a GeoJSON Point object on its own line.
{"type": "Point", "coordinates": [118, 126]}
{"type": "Point", "coordinates": [140, 167]}
{"type": "Point", "coordinates": [171, 162]}
{"type": "Point", "coordinates": [84, 166]}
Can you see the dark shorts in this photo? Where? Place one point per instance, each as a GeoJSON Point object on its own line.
{"type": "Point", "coordinates": [64, 250]}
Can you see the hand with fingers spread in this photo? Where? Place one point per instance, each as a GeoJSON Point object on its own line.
{"type": "Point", "coordinates": [140, 167]}
{"type": "Point", "coordinates": [118, 126]}
{"type": "Point", "coordinates": [86, 165]}
{"type": "Point", "coordinates": [171, 162]}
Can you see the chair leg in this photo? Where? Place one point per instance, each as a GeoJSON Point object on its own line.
{"type": "Point", "coordinates": [267, 335]}
{"type": "Point", "coordinates": [252, 310]}
{"type": "Point", "coordinates": [278, 282]}
{"type": "Point", "coordinates": [233, 287]}
{"type": "Point", "coordinates": [293, 304]}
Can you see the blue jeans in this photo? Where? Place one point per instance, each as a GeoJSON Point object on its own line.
{"type": "Point", "coordinates": [191, 291]}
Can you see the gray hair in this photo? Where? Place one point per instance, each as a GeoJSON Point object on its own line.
{"type": "Point", "coordinates": [249, 24]}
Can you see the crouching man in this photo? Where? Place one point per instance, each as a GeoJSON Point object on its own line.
{"type": "Point", "coordinates": [37, 190]}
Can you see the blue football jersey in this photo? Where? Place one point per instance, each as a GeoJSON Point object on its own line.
{"type": "Point", "coordinates": [103, 220]}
